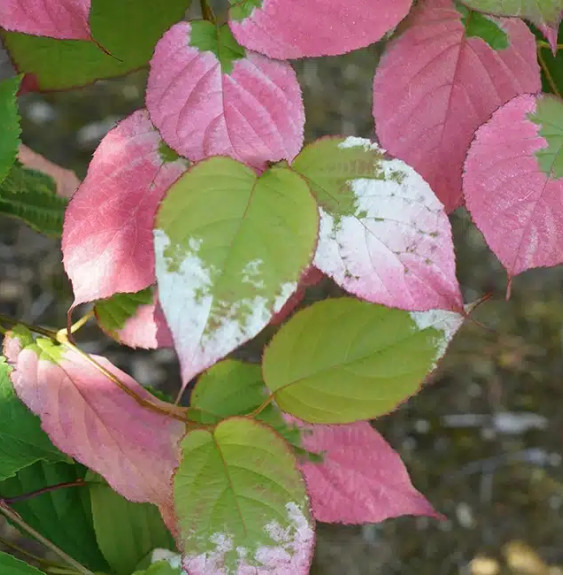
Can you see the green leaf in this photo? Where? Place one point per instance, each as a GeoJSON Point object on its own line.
{"type": "Point", "coordinates": [344, 360]}
{"type": "Point", "coordinates": [549, 116]}
{"type": "Point", "coordinates": [125, 32]}
{"type": "Point", "coordinates": [539, 12]}
{"type": "Point", "coordinates": [126, 532]}
{"type": "Point", "coordinates": [479, 26]}
{"type": "Point", "coordinates": [22, 441]}
{"type": "Point", "coordinates": [63, 516]}
{"type": "Point", "coordinates": [240, 500]}
{"type": "Point", "coordinates": [113, 313]}
{"type": "Point", "coordinates": [32, 197]}
{"type": "Point", "coordinates": [242, 9]}
{"type": "Point", "coordinates": [232, 388]}
{"type": "Point", "coordinates": [11, 566]}
{"type": "Point", "coordinates": [220, 41]}
{"type": "Point", "coordinates": [10, 122]}
{"type": "Point", "coordinates": [230, 249]}
{"type": "Point", "coordinates": [161, 568]}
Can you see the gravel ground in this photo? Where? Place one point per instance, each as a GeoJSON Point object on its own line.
{"type": "Point", "coordinates": [482, 440]}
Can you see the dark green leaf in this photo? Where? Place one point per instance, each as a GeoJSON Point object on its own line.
{"type": "Point", "coordinates": [22, 441]}
{"type": "Point", "coordinates": [126, 32]}
{"type": "Point", "coordinates": [126, 532]}
{"type": "Point", "coordinates": [63, 516]}
{"type": "Point", "coordinates": [32, 197]}
{"type": "Point", "coordinates": [10, 122]}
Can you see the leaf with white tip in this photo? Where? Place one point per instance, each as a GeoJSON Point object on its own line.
{"type": "Point", "coordinates": [209, 97]}
{"type": "Point", "coordinates": [514, 183]}
{"type": "Point", "coordinates": [107, 236]}
{"type": "Point", "coordinates": [384, 236]}
{"type": "Point", "coordinates": [438, 82]}
{"type": "Point", "coordinates": [241, 503]}
{"type": "Point", "coordinates": [343, 360]}
{"type": "Point", "coordinates": [224, 272]}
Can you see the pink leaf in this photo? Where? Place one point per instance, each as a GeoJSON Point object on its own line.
{"type": "Point", "coordinates": [361, 478]}
{"type": "Point", "coordinates": [63, 19]}
{"type": "Point", "coordinates": [434, 87]}
{"type": "Point", "coordinates": [146, 329]}
{"type": "Point", "coordinates": [247, 107]}
{"type": "Point", "coordinates": [88, 417]}
{"type": "Point", "coordinates": [107, 237]}
{"type": "Point", "coordinates": [66, 180]}
{"type": "Point", "coordinates": [288, 29]}
{"type": "Point", "coordinates": [514, 185]}
{"type": "Point", "coordinates": [551, 32]}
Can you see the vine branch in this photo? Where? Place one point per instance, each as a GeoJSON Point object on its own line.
{"type": "Point", "coordinates": [15, 518]}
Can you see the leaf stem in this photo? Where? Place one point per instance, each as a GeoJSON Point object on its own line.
{"type": "Point", "coordinates": [261, 407]}
{"type": "Point", "coordinates": [34, 328]}
{"type": "Point", "coordinates": [39, 560]}
{"type": "Point", "coordinates": [32, 494]}
{"type": "Point", "coordinates": [76, 325]}
{"type": "Point", "coordinates": [544, 44]}
{"type": "Point", "coordinates": [207, 12]}
{"type": "Point", "coordinates": [164, 408]}
{"type": "Point", "coordinates": [10, 514]}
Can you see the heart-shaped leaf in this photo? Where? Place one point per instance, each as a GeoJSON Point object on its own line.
{"type": "Point", "coordinates": [241, 503]}
{"type": "Point", "coordinates": [209, 97]}
{"type": "Point", "coordinates": [384, 235]}
{"type": "Point", "coordinates": [230, 249]}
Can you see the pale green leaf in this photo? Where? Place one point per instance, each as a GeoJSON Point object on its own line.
{"type": "Point", "coordinates": [344, 360]}
{"type": "Point", "coordinates": [241, 502]}
{"type": "Point", "coordinates": [11, 566]}
{"type": "Point", "coordinates": [230, 248]}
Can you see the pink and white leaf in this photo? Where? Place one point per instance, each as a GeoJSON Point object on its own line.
{"type": "Point", "coordinates": [287, 29]}
{"type": "Point", "coordinates": [384, 235]}
{"type": "Point", "coordinates": [88, 417]}
{"type": "Point", "coordinates": [517, 205]}
{"type": "Point", "coordinates": [107, 237]}
{"type": "Point", "coordinates": [434, 87]}
{"type": "Point", "coordinates": [361, 479]}
{"type": "Point", "coordinates": [254, 113]}
{"type": "Point", "coordinates": [62, 19]}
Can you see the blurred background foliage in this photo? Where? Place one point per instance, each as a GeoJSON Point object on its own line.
{"type": "Point", "coordinates": [482, 440]}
